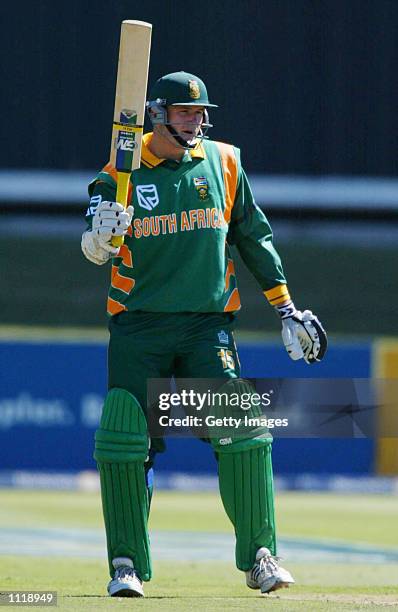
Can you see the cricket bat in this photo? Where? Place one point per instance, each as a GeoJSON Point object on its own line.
{"type": "Point", "coordinates": [129, 112]}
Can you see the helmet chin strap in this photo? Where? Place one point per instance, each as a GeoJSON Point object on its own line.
{"type": "Point", "coordinates": [179, 139]}
{"type": "Point", "coordinates": [180, 144]}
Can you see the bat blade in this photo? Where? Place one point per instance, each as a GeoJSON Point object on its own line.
{"type": "Point", "coordinates": [129, 111]}
{"type": "Point", "coordinates": [131, 86]}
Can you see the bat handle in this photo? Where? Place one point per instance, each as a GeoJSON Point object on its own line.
{"type": "Point", "coordinates": [122, 194]}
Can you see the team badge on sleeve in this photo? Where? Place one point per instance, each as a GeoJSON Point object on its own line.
{"type": "Point", "coordinates": [201, 186]}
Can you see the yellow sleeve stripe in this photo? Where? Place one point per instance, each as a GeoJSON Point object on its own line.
{"type": "Point", "coordinates": [277, 295]}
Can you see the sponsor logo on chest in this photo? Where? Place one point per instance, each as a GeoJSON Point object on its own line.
{"type": "Point", "coordinates": [147, 196]}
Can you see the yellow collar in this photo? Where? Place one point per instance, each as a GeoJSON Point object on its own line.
{"type": "Point", "coordinates": [151, 160]}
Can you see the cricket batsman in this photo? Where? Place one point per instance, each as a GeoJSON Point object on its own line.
{"type": "Point", "coordinates": [172, 302]}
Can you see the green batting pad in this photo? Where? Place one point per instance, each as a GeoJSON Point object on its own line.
{"type": "Point", "coordinates": [246, 487]}
{"type": "Point", "coordinates": [121, 447]}
{"type": "Point", "coordinates": [227, 403]}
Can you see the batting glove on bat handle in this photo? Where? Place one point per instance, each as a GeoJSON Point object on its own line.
{"type": "Point", "coordinates": [302, 334]}
{"type": "Point", "coordinates": [111, 220]}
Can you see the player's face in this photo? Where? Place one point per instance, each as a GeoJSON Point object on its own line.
{"type": "Point", "coordinates": [186, 120]}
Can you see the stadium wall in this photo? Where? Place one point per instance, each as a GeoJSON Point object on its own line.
{"type": "Point", "coordinates": [51, 395]}
{"type": "Point", "coordinates": [313, 92]}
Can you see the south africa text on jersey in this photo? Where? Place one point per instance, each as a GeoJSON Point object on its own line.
{"type": "Point", "coordinates": [198, 218]}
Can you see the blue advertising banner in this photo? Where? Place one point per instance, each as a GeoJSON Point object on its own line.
{"type": "Point", "coordinates": [50, 401]}
{"type": "Point", "coordinates": [51, 396]}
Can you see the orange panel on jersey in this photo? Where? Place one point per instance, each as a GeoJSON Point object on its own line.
{"type": "Point", "coordinates": [126, 256]}
{"type": "Point", "coordinates": [230, 272]}
{"type": "Point", "coordinates": [233, 302]}
{"type": "Point", "coordinates": [122, 282]}
{"type": "Point", "coordinates": [111, 170]}
{"type": "Point", "coordinates": [230, 171]}
{"type": "Point", "coordinates": [113, 307]}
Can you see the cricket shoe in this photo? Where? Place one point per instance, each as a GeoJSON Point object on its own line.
{"type": "Point", "coordinates": [126, 582]}
{"type": "Point", "coordinates": [266, 574]}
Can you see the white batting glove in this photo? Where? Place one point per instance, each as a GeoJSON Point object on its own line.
{"type": "Point", "coordinates": [93, 251]}
{"type": "Point", "coordinates": [110, 219]}
{"type": "Point", "coordinates": [302, 334]}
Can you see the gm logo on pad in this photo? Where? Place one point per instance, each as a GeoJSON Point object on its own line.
{"type": "Point", "coordinates": [147, 196]}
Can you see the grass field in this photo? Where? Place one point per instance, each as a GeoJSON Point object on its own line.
{"type": "Point", "coordinates": [201, 584]}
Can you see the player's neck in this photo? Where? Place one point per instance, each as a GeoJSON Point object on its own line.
{"type": "Point", "coordinates": [164, 149]}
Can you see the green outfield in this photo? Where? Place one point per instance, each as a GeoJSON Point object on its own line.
{"type": "Point", "coordinates": [326, 524]}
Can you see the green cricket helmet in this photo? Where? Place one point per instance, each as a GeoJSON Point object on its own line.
{"type": "Point", "coordinates": [176, 89]}
{"type": "Point", "coordinates": [179, 88]}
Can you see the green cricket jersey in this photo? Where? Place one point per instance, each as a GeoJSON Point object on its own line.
{"type": "Point", "coordinates": [176, 256]}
